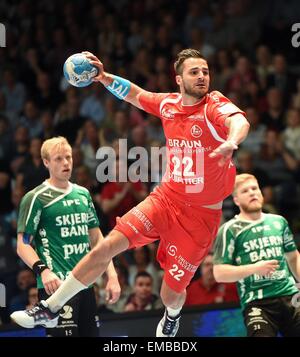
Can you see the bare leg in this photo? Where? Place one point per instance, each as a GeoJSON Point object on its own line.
{"type": "Point", "coordinates": [171, 298]}
{"type": "Point", "coordinates": [88, 269]}
{"type": "Point", "coordinates": [97, 260]}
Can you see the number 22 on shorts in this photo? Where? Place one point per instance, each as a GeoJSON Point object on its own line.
{"type": "Point", "coordinates": [177, 274]}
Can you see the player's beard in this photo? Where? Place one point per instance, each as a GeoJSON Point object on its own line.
{"type": "Point", "coordinates": [198, 94]}
{"type": "Point", "coordinates": [253, 207]}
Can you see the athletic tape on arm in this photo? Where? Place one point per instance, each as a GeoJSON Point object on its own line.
{"type": "Point", "coordinates": [119, 87]}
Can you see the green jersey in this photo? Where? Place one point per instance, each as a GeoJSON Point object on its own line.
{"type": "Point", "coordinates": [59, 221]}
{"type": "Point", "coordinates": [241, 242]}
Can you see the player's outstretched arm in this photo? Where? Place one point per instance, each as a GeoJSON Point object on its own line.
{"type": "Point", "coordinates": [227, 273]}
{"type": "Point", "coordinates": [120, 87]}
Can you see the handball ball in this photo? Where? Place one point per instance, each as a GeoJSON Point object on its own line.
{"type": "Point", "coordinates": [78, 70]}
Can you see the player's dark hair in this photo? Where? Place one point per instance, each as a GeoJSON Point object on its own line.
{"type": "Point", "coordinates": [185, 54]}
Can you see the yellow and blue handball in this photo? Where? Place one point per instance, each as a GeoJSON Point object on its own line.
{"type": "Point", "coordinates": [78, 70]}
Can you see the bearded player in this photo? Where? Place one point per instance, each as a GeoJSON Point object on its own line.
{"type": "Point", "coordinates": [257, 250]}
{"type": "Point", "coordinates": [202, 130]}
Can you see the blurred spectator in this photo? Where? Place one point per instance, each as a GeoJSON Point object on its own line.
{"type": "Point", "coordinates": [144, 261]}
{"type": "Point", "coordinates": [82, 177]}
{"type": "Point", "coordinates": [281, 78]}
{"type": "Point", "coordinates": [257, 132]}
{"type": "Point", "coordinates": [243, 74]}
{"type": "Point", "coordinates": [291, 135]}
{"type": "Point", "coordinates": [276, 161]}
{"type": "Point", "coordinates": [116, 129]}
{"type": "Point", "coordinates": [6, 138]}
{"type": "Point", "coordinates": [88, 139]}
{"type": "Point", "coordinates": [143, 298]}
{"type": "Point", "coordinates": [32, 172]}
{"type": "Point", "coordinates": [11, 217]}
{"type": "Point", "coordinates": [25, 279]}
{"type": "Point", "coordinates": [47, 120]}
{"type": "Point", "coordinates": [273, 117]}
{"type": "Point", "coordinates": [264, 66]}
{"type": "Point", "coordinates": [91, 106]}
{"type": "Point", "coordinates": [46, 96]}
{"type": "Point", "coordinates": [5, 187]}
{"type": "Point", "coordinates": [205, 290]}
{"type": "Point", "coordinates": [31, 119]}
{"type": "Point", "coordinates": [13, 91]}
{"type": "Point", "coordinates": [224, 71]}
{"type": "Point", "coordinates": [245, 164]}
{"type": "Point", "coordinates": [20, 150]}
{"type": "Point", "coordinates": [68, 120]}
{"type": "Point", "coordinates": [32, 296]}
{"type": "Point", "coordinates": [154, 130]}
{"type": "Point", "coordinates": [117, 198]}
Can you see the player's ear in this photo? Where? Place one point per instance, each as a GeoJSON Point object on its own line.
{"type": "Point", "coordinates": [236, 201]}
{"type": "Point", "coordinates": [46, 163]}
{"type": "Point", "coordinates": [178, 79]}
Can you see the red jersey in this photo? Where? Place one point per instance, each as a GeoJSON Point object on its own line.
{"type": "Point", "coordinates": [129, 201]}
{"type": "Point", "coordinates": [197, 294]}
{"type": "Point", "coordinates": [192, 133]}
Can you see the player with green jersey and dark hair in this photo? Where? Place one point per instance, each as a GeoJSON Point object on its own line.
{"type": "Point", "coordinates": [60, 219]}
{"type": "Point", "coordinates": [257, 250]}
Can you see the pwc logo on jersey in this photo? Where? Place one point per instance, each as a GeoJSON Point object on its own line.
{"type": "Point", "coordinates": [196, 131]}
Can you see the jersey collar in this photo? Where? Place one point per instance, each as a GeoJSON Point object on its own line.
{"type": "Point", "coordinates": [62, 190]}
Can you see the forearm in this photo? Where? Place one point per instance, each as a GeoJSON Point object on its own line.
{"type": "Point", "coordinates": [294, 264]}
{"type": "Point", "coordinates": [131, 96]}
{"type": "Point", "coordinates": [238, 128]}
{"type": "Point", "coordinates": [226, 273]}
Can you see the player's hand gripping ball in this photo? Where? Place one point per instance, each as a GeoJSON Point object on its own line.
{"type": "Point", "coordinates": [78, 70]}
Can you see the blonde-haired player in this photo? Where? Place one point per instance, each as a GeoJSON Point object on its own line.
{"type": "Point", "coordinates": [59, 217]}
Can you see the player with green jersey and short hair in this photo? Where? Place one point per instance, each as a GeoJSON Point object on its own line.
{"type": "Point", "coordinates": [60, 219]}
{"type": "Point", "coordinates": [257, 250]}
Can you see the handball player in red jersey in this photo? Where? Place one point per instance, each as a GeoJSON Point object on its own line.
{"type": "Point", "coordinates": [202, 130]}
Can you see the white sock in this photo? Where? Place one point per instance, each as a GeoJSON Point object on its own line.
{"type": "Point", "coordinates": [173, 312]}
{"type": "Point", "coordinates": [70, 287]}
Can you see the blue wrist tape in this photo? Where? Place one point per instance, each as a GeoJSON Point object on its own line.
{"type": "Point", "coordinates": [119, 87]}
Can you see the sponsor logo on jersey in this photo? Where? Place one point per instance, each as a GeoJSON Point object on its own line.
{"type": "Point", "coordinates": [70, 249]}
{"type": "Point", "coordinates": [199, 117]}
{"type": "Point", "coordinates": [168, 113]}
{"type": "Point", "coordinates": [185, 143]}
{"type": "Point", "coordinates": [36, 219]}
{"type": "Point", "coordinates": [42, 232]}
{"type": "Point", "coordinates": [172, 250]}
{"type": "Point", "coordinates": [68, 203]}
{"type": "Point", "coordinates": [67, 313]}
{"type": "Point", "coordinates": [196, 131]}
{"type": "Point", "coordinates": [277, 225]}
{"type": "Point", "coordinates": [255, 311]}
{"type": "Point", "coordinates": [85, 201]}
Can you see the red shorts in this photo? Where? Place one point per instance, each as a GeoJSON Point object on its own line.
{"type": "Point", "coordinates": [186, 234]}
